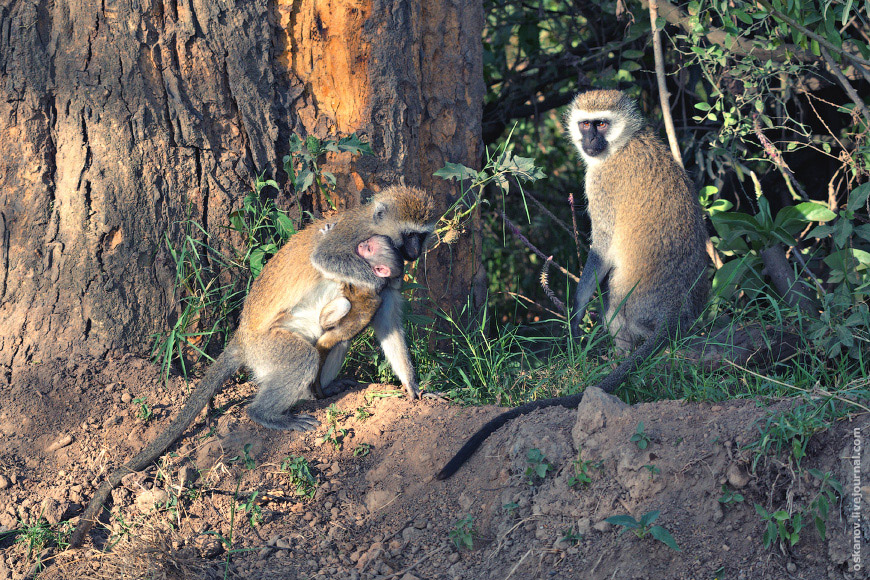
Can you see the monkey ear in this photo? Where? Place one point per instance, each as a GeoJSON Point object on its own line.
{"type": "Point", "coordinates": [380, 210]}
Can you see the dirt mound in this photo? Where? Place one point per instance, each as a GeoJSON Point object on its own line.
{"type": "Point", "coordinates": [227, 492]}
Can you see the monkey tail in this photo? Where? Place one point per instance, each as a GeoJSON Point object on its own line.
{"type": "Point", "coordinates": [665, 329]}
{"type": "Point", "coordinates": [222, 369]}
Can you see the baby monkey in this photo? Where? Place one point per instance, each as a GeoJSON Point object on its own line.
{"type": "Point", "coordinates": [346, 316]}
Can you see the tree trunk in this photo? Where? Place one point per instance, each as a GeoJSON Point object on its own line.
{"type": "Point", "coordinates": [121, 118]}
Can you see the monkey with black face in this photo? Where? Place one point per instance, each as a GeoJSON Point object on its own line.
{"type": "Point", "coordinates": [648, 241]}
{"type": "Point", "coordinates": [303, 277]}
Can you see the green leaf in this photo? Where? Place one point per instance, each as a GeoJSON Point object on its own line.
{"type": "Point", "coordinates": [804, 213]}
{"type": "Point", "coordinates": [842, 231]}
{"type": "Point", "coordinates": [820, 526]}
{"type": "Point", "coordinates": [627, 521]}
{"type": "Point", "coordinates": [702, 106]}
{"type": "Point", "coordinates": [296, 143]}
{"type": "Point", "coordinates": [783, 236]}
{"type": "Point", "coordinates": [769, 534]}
{"type": "Point", "coordinates": [780, 515]}
{"type": "Point", "coordinates": [649, 517]}
{"type": "Point", "coordinates": [665, 537]}
{"type": "Point", "coordinates": [858, 197]}
{"type": "Point", "coordinates": [354, 144]}
{"type": "Point", "coordinates": [527, 166]}
{"type": "Point", "coordinates": [304, 179]}
{"type": "Point", "coordinates": [456, 171]}
{"type": "Point", "coordinates": [820, 232]}
{"type": "Point", "coordinates": [742, 16]}
{"type": "Point", "coordinates": [286, 228]}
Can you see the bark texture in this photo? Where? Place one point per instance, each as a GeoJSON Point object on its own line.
{"type": "Point", "coordinates": [120, 118]}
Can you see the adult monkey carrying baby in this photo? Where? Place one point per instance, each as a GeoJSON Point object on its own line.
{"type": "Point", "coordinates": [281, 320]}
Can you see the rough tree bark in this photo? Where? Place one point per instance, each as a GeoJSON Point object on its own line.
{"type": "Point", "coordinates": [121, 117]}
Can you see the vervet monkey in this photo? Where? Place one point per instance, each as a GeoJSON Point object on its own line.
{"type": "Point", "coordinates": [648, 241]}
{"type": "Point", "coordinates": [301, 278]}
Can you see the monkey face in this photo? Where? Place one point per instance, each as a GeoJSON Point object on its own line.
{"type": "Point", "coordinates": [412, 245]}
{"type": "Point", "coordinates": [594, 136]}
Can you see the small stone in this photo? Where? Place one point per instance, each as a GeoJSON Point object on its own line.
{"type": "Point", "coordinates": [737, 476]}
{"type": "Point", "coordinates": [562, 544]}
{"type": "Point", "coordinates": [273, 541]}
{"type": "Point", "coordinates": [210, 547]}
{"type": "Point", "coordinates": [283, 543]}
{"type": "Point", "coordinates": [264, 553]}
{"type": "Point", "coordinates": [4, 482]}
{"type": "Point", "coordinates": [52, 510]}
{"type": "Point", "coordinates": [126, 398]}
{"type": "Point", "coordinates": [717, 511]}
{"type": "Point", "coordinates": [421, 523]}
{"type": "Point", "coordinates": [453, 558]}
{"type": "Point", "coordinates": [187, 475]}
{"type": "Point", "coordinates": [603, 526]}
{"type": "Point", "coordinates": [148, 498]}
{"type": "Point", "coordinates": [791, 567]}
{"type": "Point", "coordinates": [60, 443]}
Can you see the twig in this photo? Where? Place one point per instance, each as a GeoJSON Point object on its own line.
{"type": "Point", "coordinates": [547, 212]}
{"type": "Point", "coordinates": [806, 269]}
{"type": "Point", "coordinates": [516, 232]}
{"type": "Point", "coordinates": [530, 301]}
{"type": "Point", "coordinates": [776, 157]}
{"type": "Point", "coordinates": [545, 272]}
{"type": "Point", "coordinates": [574, 224]}
{"type": "Point", "coordinates": [664, 95]}
{"type": "Point", "coordinates": [714, 255]}
{"type": "Point", "coordinates": [517, 565]}
{"type": "Point", "coordinates": [847, 86]}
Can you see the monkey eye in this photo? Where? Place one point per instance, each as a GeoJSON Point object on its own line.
{"type": "Point", "coordinates": [602, 125]}
{"type": "Point", "coordinates": [584, 125]}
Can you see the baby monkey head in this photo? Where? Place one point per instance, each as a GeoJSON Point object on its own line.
{"type": "Point", "coordinates": [378, 251]}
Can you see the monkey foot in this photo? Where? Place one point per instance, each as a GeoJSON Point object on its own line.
{"type": "Point", "coordinates": [339, 385]}
{"type": "Point", "coordinates": [301, 423]}
{"type": "Point", "coordinates": [287, 422]}
{"type": "Point", "coordinates": [436, 396]}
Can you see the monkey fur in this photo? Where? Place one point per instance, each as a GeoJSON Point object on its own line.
{"type": "Point", "coordinates": [648, 242]}
{"type": "Point", "coordinates": [306, 274]}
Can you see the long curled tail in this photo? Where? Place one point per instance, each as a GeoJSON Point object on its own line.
{"type": "Point", "coordinates": [222, 369]}
{"type": "Point", "coordinates": [652, 345]}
